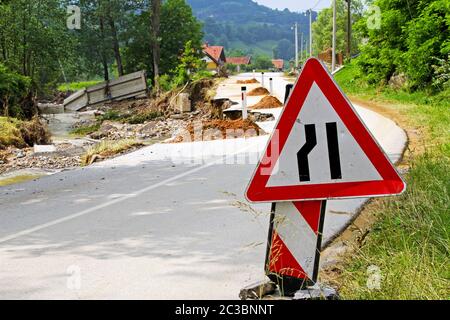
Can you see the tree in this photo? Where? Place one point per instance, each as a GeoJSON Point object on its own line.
{"type": "Point", "coordinates": [285, 49]}
{"type": "Point", "coordinates": [13, 89]}
{"type": "Point", "coordinates": [156, 48]}
{"type": "Point", "coordinates": [179, 26]}
{"type": "Point", "coordinates": [190, 62]}
{"type": "Point", "coordinates": [262, 62]}
{"type": "Point", "coordinates": [34, 41]}
{"type": "Point", "coordinates": [410, 40]}
{"type": "Point", "coordinates": [323, 27]}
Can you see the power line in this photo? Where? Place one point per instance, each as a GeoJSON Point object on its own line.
{"type": "Point", "coordinates": [318, 2]}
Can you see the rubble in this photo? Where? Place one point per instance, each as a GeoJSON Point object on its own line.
{"type": "Point", "coordinates": [66, 155]}
{"type": "Point", "coordinates": [158, 129]}
{"type": "Point", "coordinates": [261, 117]}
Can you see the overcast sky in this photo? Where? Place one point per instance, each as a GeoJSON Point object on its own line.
{"type": "Point", "coordinates": [295, 5]}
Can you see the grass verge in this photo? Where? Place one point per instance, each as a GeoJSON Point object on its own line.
{"type": "Point", "coordinates": [20, 134]}
{"type": "Point", "coordinates": [107, 149]}
{"type": "Point", "coordinates": [18, 179]}
{"type": "Point", "coordinates": [409, 242]}
{"type": "Point", "coordinates": [85, 130]}
{"type": "Point", "coordinates": [75, 86]}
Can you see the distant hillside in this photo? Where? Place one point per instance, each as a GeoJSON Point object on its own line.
{"type": "Point", "coordinates": [250, 27]}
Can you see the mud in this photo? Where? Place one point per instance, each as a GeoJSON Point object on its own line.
{"type": "Point", "coordinates": [260, 91]}
{"type": "Point", "coordinates": [267, 102]}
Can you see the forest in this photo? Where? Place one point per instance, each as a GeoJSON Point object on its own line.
{"type": "Point", "coordinates": [46, 43]}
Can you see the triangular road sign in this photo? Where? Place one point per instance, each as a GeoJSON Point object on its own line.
{"type": "Point", "coordinates": [320, 148]}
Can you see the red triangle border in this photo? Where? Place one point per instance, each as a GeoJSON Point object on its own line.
{"type": "Point", "coordinates": [391, 183]}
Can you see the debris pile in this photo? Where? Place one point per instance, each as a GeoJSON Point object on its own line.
{"type": "Point", "coordinates": [261, 117]}
{"type": "Point", "coordinates": [260, 91]}
{"type": "Point", "coordinates": [160, 129]}
{"type": "Point", "coordinates": [267, 102]}
{"type": "Point", "coordinates": [218, 130]}
{"type": "Point", "coordinates": [247, 81]}
{"type": "Point", "coordinates": [67, 155]}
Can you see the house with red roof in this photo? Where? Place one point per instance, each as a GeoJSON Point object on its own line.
{"type": "Point", "coordinates": [239, 61]}
{"type": "Point", "coordinates": [214, 56]}
{"type": "Point", "coordinates": [278, 64]}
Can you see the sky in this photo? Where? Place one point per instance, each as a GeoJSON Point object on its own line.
{"type": "Point", "coordinates": [295, 5]}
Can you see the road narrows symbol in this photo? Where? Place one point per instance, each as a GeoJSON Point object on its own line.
{"type": "Point", "coordinates": [310, 144]}
{"type": "Point", "coordinates": [302, 155]}
{"type": "Point", "coordinates": [333, 150]}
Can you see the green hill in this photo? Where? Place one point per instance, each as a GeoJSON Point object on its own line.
{"type": "Point", "coordinates": [250, 27]}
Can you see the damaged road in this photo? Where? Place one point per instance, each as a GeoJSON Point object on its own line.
{"type": "Point", "coordinates": [166, 221]}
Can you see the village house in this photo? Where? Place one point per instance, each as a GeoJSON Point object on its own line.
{"type": "Point", "coordinates": [278, 64]}
{"type": "Point", "coordinates": [214, 56]}
{"type": "Point", "coordinates": [239, 61]}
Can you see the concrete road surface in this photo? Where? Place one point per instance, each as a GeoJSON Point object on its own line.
{"type": "Point", "coordinates": [169, 221]}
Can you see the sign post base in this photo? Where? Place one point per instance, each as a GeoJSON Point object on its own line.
{"type": "Point", "coordinates": [317, 292]}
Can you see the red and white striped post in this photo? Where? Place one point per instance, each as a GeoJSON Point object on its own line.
{"type": "Point", "coordinates": [244, 102]}
{"type": "Point", "coordinates": [271, 86]}
{"type": "Point", "coordinates": [294, 244]}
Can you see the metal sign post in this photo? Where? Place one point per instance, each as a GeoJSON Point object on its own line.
{"type": "Point", "coordinates": [320, 149]}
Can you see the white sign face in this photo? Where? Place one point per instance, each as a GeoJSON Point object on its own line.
{"type": "Point", "coordinates": [320, 148]}
{"type": "Point", "coordinates": [349, 161]}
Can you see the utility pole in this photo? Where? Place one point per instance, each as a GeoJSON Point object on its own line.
{"type": "Point", "coordinates": [296, 45]}
{"type": "Point", "coordinates": [310, 32]}
{"type": "Point", "coordinates": [349, 29]}
{"type": "Point", "coordinates": [333, 53]}
{"type": "Point", "coordinates": [301, 46]}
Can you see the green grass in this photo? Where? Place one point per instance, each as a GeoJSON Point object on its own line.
{"type": "Point", "coordinates": [259, 48]}
{"type": "Point", "coordinates": [114, 115]}
{"type": "Point", "coordinates": [10, 132]}
{"type": "Point", "coordinates": [108, 148]}
{"type": "Point", "coordinates": [18, 179]}
{"type": "Point", "coordinates": [85, 130]}
{"type": "Point", "coordinates": [75, 86]}
{"type": "Point", "coordinates": [410, 239]}
{"type": "Point", "coordinates": [350, 79]}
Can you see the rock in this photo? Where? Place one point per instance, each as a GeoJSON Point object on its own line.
{"type": "Point", "coordinates": [261, 117]}
{"type": "Point", "coordinates": [177, 116]}
{"type": "Point", "coordinates": [20, 154]}
{"type": "Point", "coordinates": [182, 103]}
{"type": "Point", "coordinates": [398, 81]}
